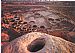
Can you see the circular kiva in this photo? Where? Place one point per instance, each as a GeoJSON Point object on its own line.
{"type": "Point", "coordinates": [36, 42]}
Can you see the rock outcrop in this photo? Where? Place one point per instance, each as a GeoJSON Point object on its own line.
{"type": "Point", "coordinates": [36, 42]}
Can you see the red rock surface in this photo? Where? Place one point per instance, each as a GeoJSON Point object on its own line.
{"type": "Point", "coordinates": [37, 42]}
{"type": "Point", "coordinates": [69, 36]}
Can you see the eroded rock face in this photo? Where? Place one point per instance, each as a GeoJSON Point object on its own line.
{"type": "Point", "coordinates": [69, 36]}
{"type": "Point", "coordinates": [37, 42]}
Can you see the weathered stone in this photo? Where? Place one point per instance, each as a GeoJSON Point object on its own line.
{"type": "Point", "coordinates": [37, 42]}
{"type": "Point", "coordinates": [69, 36]}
